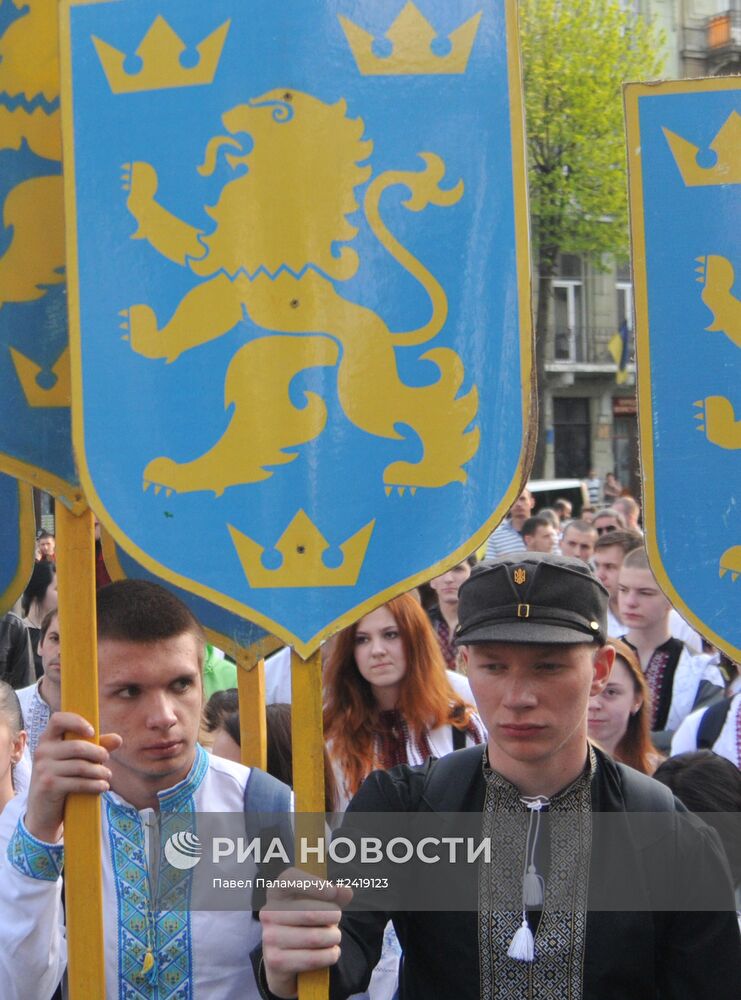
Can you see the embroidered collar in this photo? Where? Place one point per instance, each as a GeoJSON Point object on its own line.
{"type": "Point", "coordinates": [175, 799]}
{"type": "Point", "coordinates": [496, 780]}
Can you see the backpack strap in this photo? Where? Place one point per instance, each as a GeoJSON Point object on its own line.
{"type": "Point", "coordinates": [448, 778]}
{"type": "Point", "coordinates": [267, 800]}
{"type": "Point", "coordinates": [265, 794]}
{"type": "Point", "coordinates": [711, 724]}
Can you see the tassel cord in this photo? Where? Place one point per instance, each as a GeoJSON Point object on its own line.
{"type": "Point", "coordinates": [522, 946]}
{"type": "Point", "coordinates": [533, 885]}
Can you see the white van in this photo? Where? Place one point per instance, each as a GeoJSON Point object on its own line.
{"type": "Point", "coordinates": [546, 491]}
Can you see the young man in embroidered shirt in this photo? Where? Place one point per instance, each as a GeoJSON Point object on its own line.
{"type": "Point", "coordinates": [532, 630]}
{"type": "Point", "coordinates": [609, 551]}
{"type": "Point", "coordinates": [150, 656]}
{"type": "Point", "coordinates": [680, 682]}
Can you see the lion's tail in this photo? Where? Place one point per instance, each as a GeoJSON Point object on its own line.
{"type": "Point", "coordinates": [424, 190]}
{"type": "Point", "coordinates": [460, 411]}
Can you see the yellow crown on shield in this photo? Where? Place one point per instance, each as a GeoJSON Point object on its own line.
{"type": "Point", "coordinates": [302, 546]}
{"type": "Point", "coordinates": [58, 394]}
{"type": "Point", "coordinates": [411, 36]}
{"type": "Point", "coordinates": [727, 148]}
{"type": "Point", "coordinates": [161, 68]}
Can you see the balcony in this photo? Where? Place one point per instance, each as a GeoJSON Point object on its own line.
{"type": "Point", "coordinates": [583, 351]}
{"type": "Point", "coordinates": [586, 345]}
{"type": "Point", "coordinates": [723, 39]}
{"type": "Point", "coordinates": [724, 30]}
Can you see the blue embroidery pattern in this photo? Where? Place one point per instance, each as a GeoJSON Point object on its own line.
{"type": "Point", "coordinates": [33, 857]}
{"type": "Point", "coordinates": [179, 798]}
{"type": "Point", "coordinates": [161, 924]}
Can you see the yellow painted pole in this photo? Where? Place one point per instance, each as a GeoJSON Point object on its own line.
{"type": "Point", "coordinates": [253, 730]}
{"type": "Point", "coordinates": [307, 737]}
{"type": "Point", "coordinates": [82, 833]}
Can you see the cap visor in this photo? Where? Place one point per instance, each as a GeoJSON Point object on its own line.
{"type": "Point", "coordinates": [524, 631]}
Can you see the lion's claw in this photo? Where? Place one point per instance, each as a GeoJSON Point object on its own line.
{"type": "Point", "coordinates": [141, 323]}
{"type": "Point", "coordinates": [718, 422]}
{"type": "Point", "coordinates": [730, 562]}
{"type": "Point", "coordinates": [717, 276]}
{"type": "Point", "coordinates": [158, 487]}
{"type": "Point", "coordinates": [400, 490]}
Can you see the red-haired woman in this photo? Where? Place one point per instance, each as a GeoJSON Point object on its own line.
{"type": "Point", "coordinates": [387, 696]}
{"type": "Point", "coordinates": [619, 716]}
{"type": "Point", "coordinates": [388, 701]}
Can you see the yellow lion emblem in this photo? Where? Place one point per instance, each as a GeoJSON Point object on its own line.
{"type": "Point", "coordinates": [29, 114]}
{"type": "Point", "coordinates": [277, 250]}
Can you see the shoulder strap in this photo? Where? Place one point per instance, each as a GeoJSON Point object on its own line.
{"type": "Point", "coordinates": [265, 794]}
{"type": "Point", "coordinates": [643, 794]}
{"type": "Point", "coordinates": [712, 723]}
{"type": "Point", "coordinates": [448, 779]}
{"type": "Point", "coordinates": [459, 738]}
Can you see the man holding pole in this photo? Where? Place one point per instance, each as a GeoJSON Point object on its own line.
{"type": "Point", "coordinates": [532, 628]}
{"type": "Point", "coordinates": [150, 654]}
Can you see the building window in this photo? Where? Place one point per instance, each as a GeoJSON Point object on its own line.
{"type": "Point", "coordinates": [571, 437]}
{"type": "Point", "coordinates": [622, 271]}
{"type": "Point", "coordinates": [625, 452]}
{"type": "Point", "coordinates": [568, 299]}
{"type": "Point", "coordinates": [569, 265]}
{"type": "Point", "coordinates": [624, 304]}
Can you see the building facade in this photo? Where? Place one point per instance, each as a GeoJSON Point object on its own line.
{"type": "Point", "coordinates": [591, 413]}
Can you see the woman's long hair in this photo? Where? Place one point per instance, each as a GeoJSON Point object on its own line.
{"type": "Point", "coordinates": [636, 748]}
{"type": "Point", "coordinates": [42, 577]}
{"type": "Point", "coordinates": [426, 699]}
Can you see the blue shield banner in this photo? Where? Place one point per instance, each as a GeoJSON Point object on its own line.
{"type": "Point", "coordinates": [17, 535]}
{"type": "Point", "coordinates": [299, 292]}
{"type": "Point", "coordinates": [685, 184]}
{"type": "Point", "coordinates": [35, 434]}
{"type": "Point", "coordinates": [229, 632]}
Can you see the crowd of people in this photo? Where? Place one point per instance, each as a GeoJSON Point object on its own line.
{"type": "Point", "coordinates": [551, 678]}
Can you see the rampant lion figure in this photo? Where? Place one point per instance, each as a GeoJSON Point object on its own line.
{"type": "Point", "coordinates": [29, 114]}
{"type": "Point", "coordinates": [273, 258]}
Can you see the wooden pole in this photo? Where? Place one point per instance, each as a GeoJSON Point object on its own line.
{"type": "Point", "coordinates": [82, 824]}
{"type": "Point", "coordinates": [253, 731]}
{"type": "Point", "coordinates": [307, 736]}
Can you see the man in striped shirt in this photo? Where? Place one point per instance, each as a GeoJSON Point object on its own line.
{"type": "Point", "coordinates": [507, 538]}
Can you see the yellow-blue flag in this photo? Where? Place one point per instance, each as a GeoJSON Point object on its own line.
{"type": "Point", "coordinates": [618, 348]}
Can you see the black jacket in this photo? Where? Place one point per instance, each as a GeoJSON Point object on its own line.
{"type": "Point", "coordinates": [16, 654]}
{"type": "Point", "coordinates": [682, 955]}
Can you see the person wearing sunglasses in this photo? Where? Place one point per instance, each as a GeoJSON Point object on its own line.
{"type": "Point", "coordinates": [607, 520]}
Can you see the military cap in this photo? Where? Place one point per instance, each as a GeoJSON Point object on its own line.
{"type": "Point", "coordinates": [532, 597]}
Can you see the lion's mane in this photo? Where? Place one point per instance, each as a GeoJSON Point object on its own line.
{"type": "Point", "coordinates": [291, 205]}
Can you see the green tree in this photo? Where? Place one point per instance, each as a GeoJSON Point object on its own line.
{"type": "Point", "coordinates": [576, 56]}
